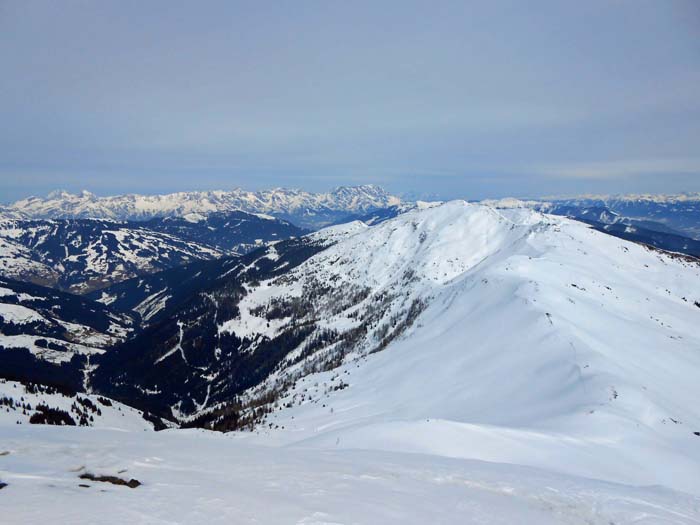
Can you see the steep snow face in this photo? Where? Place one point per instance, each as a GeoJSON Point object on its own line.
{"type": "Point", "coordinates": [537, 340]}
{"type": "Point", "coordinates": [435, 246]}
{"type": "Point", "coordinates": [337, 233]}
{"type": "Point", "coordinates": [278, 201]}
{"type": "Point", "coordinates": [368, 288]}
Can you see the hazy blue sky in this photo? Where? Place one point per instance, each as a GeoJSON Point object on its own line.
{"type": "Point", "coordinates": [454, 98]}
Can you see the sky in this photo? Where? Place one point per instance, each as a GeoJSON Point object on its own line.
{"type": "Point", "coordinates": [438, 98]}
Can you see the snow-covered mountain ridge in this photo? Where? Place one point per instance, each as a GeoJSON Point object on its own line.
{"type": "Point", "coordinates": [81, 255]}
{"type": "Point", "coordinates": [304, 208]}
{"type": "Point", "coordinates": [460, 330]}
{"type": "Point", "coordinates": [535, 338]}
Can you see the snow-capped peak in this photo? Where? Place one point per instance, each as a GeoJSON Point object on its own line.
{"type": "Point", "coordinates": [496, 334]}
{"type": "Point", "coordinates": [62, 204]}
{"type": "Point", "coordinates": [436, 243]}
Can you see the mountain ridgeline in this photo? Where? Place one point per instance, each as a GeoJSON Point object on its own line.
{"type": "Point", "coordinates": [245, 347]}
{"type": "Point", "coordinates": [304, 209]}
{"type": "Point", "coordinates": [82, 255]}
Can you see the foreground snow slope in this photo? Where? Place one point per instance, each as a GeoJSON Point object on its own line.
{"type": "Point", "coordinates": [200, 477]}
{"type": "Point", "coordinates": [544, 343]}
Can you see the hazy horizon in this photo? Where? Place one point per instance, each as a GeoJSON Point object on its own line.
{"type": "Point", "coordinates": [407, 195]}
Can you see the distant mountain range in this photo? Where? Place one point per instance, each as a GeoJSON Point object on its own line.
{"type": "Point", "coordinates": [668, 222]}
{"type": "Point", "coordinates": [678, 212]}
{"type": "Point", "coordinates": [82, 243]}
{"type": "Point", "coordinates": [304, 209]}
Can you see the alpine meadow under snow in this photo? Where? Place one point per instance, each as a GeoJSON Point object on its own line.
{"type": "Point", "coordinates": [457, 363]}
